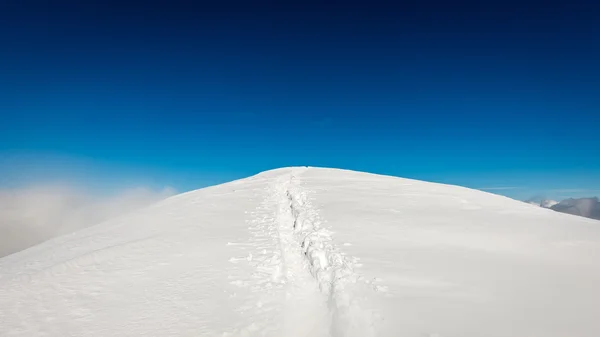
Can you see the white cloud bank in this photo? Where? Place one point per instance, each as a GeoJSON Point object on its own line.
{"type": "Point", "coordinates": [31, 215]}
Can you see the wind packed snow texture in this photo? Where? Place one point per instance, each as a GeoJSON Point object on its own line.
{"type": "Point", "coordinates": [313, 252]}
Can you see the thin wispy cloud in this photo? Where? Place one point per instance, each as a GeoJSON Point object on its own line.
{"type": "Point", "coordinates": [500, 188]}
{"type": "Point", "coordinates": [572, 190]}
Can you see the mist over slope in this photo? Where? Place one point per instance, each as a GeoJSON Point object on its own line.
{"type": "Point", "coordinates": [34, 214]}
{"type": "Point", "coordinates": [314, 252]}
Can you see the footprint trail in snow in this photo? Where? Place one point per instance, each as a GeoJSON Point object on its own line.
{"type": "Point", "coordinates": [305, 281]}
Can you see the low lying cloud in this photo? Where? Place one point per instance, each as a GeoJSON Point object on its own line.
{"type": "Point", "coordinates": [34, 214]}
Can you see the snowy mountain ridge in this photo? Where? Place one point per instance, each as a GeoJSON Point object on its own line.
{"type": "Point", "coordinates": [313, 252]}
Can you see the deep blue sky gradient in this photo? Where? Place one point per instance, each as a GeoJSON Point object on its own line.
{"type": "Point", "coordinates": [481, 95]}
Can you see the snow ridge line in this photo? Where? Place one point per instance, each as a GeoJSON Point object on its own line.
{"type": "Point", "coordinates": [332, 271]}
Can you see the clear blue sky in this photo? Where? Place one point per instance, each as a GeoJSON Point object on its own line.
{"type": "Point", "coordinates": [483, 95]}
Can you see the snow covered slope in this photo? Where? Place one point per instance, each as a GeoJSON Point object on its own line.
{"type": "Point", "coordinates": [314, 252]}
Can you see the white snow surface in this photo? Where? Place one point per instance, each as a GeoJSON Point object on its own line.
{"type": "Point", "coordinates": [314, 252]}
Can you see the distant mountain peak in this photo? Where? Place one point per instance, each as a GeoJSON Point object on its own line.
{"type": "Point", "coordinates": [586, 207]}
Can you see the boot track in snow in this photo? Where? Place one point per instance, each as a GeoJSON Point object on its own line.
{"type": "Point", "coordinates": [306, 265]}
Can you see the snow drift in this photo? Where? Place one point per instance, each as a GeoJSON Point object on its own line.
{"type": "Point", "coordinates": [313, 252]}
